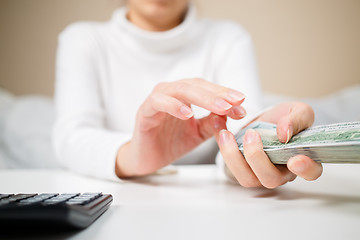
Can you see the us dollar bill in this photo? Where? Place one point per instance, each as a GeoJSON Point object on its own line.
{"type": "Point", "coordinates": [334, 143]}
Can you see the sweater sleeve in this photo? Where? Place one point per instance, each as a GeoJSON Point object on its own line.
{"type": "Point", "coordinates": [81, 140]}
{"type": "Point", "coordinates": [237, 69]}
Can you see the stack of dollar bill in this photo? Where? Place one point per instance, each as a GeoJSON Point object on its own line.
{"type": "Point", "coordinates": [335, 143]}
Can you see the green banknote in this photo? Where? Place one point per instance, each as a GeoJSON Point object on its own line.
{"type": "Point", "coordinates": [334, 143]}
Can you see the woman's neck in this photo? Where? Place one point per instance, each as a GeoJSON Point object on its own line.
{"type": "Point", "coordinates": [154, 24]}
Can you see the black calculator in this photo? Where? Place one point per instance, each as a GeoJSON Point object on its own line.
{"type": "Point", "coordinates": [69, 210]}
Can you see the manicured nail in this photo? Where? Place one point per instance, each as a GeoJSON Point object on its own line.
{"type": "Point", "coordinates": [217, 122]}
{"type": "Point", "coordinates": [186, 111]}
{"type": "Point", "coordinates": [239, 111]}
{"type": "Point", "coordinates": [289, 134]}
{"type": "Point", "coordinates": [221, 103]}
{"type": "Point", "coordinates": [250, 136]}
{"type": "Point", "coordinates": [224, 138]}
{"type": "Point", "coordinates": [235, 96]}
{"type": "Point", "coordinates": [298, 166]}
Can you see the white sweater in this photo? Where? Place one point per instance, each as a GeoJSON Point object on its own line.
{"type": "Point", "coordinates": [104, 72]}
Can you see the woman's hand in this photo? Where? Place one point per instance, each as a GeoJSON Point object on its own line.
{"type": "Point", "coordinates": [255, 169]}
{"type": "Point", "coordinates": [166, 129]}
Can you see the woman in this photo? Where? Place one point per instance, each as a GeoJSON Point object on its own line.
{"type": "Point", "coordinates": [134, 94]}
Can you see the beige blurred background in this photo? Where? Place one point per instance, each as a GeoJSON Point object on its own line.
{"type": "Point", "coordinates": [304, 48]}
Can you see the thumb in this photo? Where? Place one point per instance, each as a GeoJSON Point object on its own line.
{"type": "Point", "coordinates": [300, 117]}
{"type": "Point", "coordinates": [211, 125]}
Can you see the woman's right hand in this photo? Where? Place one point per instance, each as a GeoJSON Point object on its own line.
{"type": "Point", "coordinates": [165, 128]}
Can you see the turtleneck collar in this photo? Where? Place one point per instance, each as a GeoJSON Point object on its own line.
{"type": "Point", "coordinates": [164, 41]}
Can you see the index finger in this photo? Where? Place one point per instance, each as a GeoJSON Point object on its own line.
{"type": "Point", "coordinates": [204, 94]}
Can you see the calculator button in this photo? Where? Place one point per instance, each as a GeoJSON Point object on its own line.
{"type": "Point", "coordinates": [15, 198]}
{"type": "Point", "coordinates": [61, 198]}
{"type": "Point", "coordinates": [46, 195]}
{"type": "Point", "coordinates": [18, 197]}
{"type": "Point", "coordinates": [69, 195]}
{"type": "Point", "coordinates": [77, 201]}
{"type": "Point", "coordinates": [37, 198]}
{"type": "Point", "coordinates": [92, 194]}
{"type": "Point", "coordinates": [53, 201]}
{"type": "Point", "coordinates": [5, 195]}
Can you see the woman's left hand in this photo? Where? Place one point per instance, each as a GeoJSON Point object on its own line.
{"type": "Point", "coordinates": [255, 169]}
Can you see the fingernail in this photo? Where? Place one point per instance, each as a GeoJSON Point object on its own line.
{"type": "Point", "coordinates": [250, 136]}
{"type": "Point", "coordinates": [217, 122]}
{"type": "Point", "coordinates": [221, 103]}
{"type": "Point", "coordinates": [289, 134]}
{"type": "Point", "coordinates": [186, 111]}
{"type": "Point", "coordinates": [235, 96]}
{"type": "Point", "coordinates": [298, 166]}
{"type": "Point", "coordinates": [224, 138]}
{"type": "Point", "coordinates": [239, 111]}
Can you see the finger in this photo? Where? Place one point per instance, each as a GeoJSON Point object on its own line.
{"type": "Point", "coordinates": [158, 102]}
{"type": "Point", "coordinates": [267, 173]}
{"type": "Point", "coordinates": [211, 125]}
{"type": "Point", "coordinates": [300, 117]}
{"type": "Point", "coordinates": [190, 93]}
{"type": "Point", "coordinates": [235, 161]}
{"type": "Point", "coordinates": [231, 95]}
{"type": "Point", "coordinates": [305, 167]}
{"type": "Point", "coordinates": [237, 112]}
{"type": "Point", "coordinates": [200, 97]}
{"type": "Point", "coordinates": [290, 176]}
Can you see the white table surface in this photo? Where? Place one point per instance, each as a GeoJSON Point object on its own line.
{"type": "Point", "coordinates": [197, 203]}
